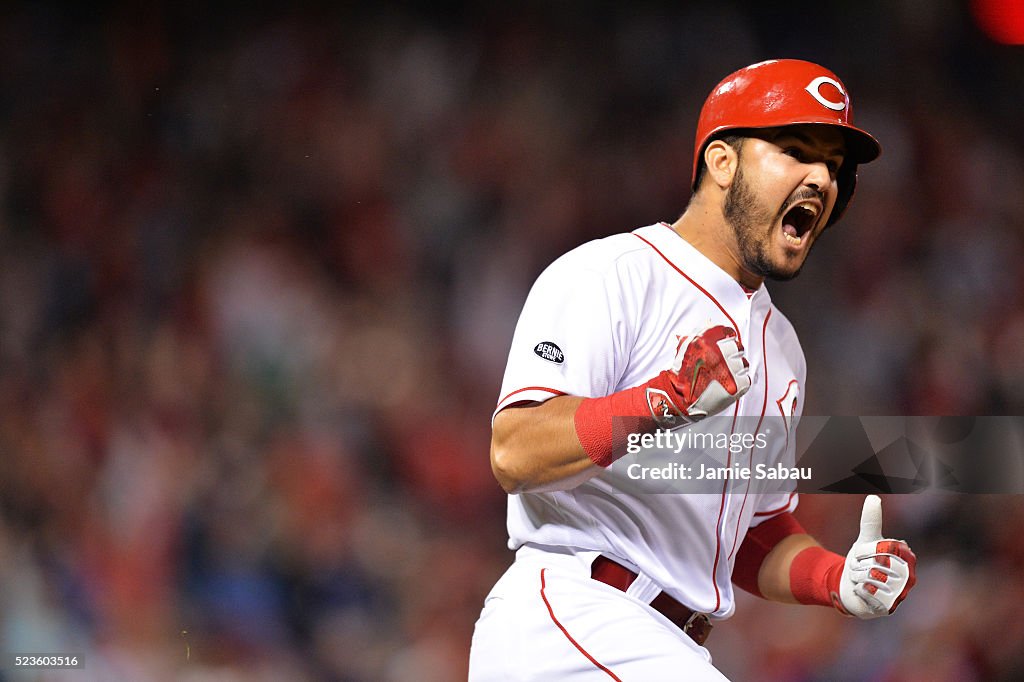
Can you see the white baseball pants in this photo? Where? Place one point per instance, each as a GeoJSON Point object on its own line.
{"type": "Point", "coordinates": [546, 619]}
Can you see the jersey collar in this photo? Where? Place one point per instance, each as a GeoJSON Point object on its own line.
{"type": "Point", "coordinates": [696, 266]}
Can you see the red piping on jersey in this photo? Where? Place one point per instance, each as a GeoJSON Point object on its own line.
{"type": "Point", "coordinates": [721, 508]}
{"type": "Point", "coordinates": [532, 388]}
{"type": "Point", "coordinates": [778, 510]}
{"type": "Point", "coordinates": [690, 280]}
{"type": "Point", "coordinates": [764, 407]}
{"type": "Point", "coordinates": [718, 538]}
{"type": "Point", "coordinates": [565, 632]}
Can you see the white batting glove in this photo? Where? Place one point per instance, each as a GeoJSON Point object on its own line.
{"type": "Point", "coordinates": [879, 572]}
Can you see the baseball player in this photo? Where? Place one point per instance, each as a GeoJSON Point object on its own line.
{"type": "Point", "coordinates": [609, 584]}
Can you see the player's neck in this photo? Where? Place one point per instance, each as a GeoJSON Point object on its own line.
{"type": "Point", "coordinates": [706, 230]}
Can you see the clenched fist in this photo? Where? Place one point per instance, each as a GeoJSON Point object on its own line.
{"type": "Point", "coordinates": [709, 374]}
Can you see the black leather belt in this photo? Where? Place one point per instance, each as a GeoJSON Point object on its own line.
{"type": "Point", "coordinates": [696, 625]}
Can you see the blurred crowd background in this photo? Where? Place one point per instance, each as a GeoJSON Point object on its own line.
{"type": "Point", "coordinates": [259, 273]}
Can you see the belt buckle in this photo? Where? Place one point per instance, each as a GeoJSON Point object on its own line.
{"type": "Point", "coordinates": [697, 627]}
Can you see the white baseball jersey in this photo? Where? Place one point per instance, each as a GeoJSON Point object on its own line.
{"type": "Point", "coordinates": [607, 316]}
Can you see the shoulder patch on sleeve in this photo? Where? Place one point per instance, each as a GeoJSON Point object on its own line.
{"type": "Point", "coordinates": [546, 350]}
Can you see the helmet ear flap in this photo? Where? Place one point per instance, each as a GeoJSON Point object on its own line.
{"type": "Point", "coordinates": [846, 181]}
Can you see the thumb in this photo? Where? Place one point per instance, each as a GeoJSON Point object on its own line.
{"type": "Point", "coordinates": [871, 519]}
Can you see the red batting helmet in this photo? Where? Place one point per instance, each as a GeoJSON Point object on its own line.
{"type": "Point", "coordinates": [782, 92]}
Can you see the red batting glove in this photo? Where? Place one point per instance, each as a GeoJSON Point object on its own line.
{"type": "Point", "coordinates": [709, 374]}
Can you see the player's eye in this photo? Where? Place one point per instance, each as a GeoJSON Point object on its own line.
{"type": "Point", "coordinates": [795, 152]}
{"type": "Point", "coordinates": [804, 157]}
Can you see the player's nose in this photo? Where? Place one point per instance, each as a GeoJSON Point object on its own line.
{"type": "Point", "coordinates": [819, 176]}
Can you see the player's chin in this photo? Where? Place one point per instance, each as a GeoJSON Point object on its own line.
{"type": "Point", "coordinates": [774, 266]}
{"type": "Point", "coordinates": [784, 274]}
{"type": "Point", "coordinates": [786, 264]}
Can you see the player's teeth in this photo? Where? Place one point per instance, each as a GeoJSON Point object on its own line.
{"type": "Point", "coordinates": [793, 240]}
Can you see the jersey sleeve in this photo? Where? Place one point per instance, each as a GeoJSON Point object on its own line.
{"type": "Point", "coordinates": [572, 337]}
{"type": "Point", "coordinates": [774, 504]}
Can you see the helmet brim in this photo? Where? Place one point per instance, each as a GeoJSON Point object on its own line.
{"type": "Point", "coordinates": [861, 147]}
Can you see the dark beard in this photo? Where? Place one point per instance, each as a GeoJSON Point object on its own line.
{"type": "Point", "coordinates": [745, 215]}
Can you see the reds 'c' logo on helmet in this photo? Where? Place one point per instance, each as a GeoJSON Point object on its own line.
{"type": "Point", "coordinates": [814, 88]}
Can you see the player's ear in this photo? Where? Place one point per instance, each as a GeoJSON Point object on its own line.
{"type": "Point", "coordinates": [722, 162]}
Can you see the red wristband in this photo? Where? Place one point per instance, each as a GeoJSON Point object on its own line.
{"type": "Point", "coordinates": [603, 424]}
{"type": "Point", "coordinates": [814, 577]}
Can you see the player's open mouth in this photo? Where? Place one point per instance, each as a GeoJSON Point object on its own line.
{"type": "Point", "coordinates": [798, 221]}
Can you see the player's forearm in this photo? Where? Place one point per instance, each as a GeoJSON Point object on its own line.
{"type": "Point", "coordinates": [534, 448]}
{"type": "Point", "coordinates": [774, 580]}
{"type": "Point", "coordinates": [780, 562]}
